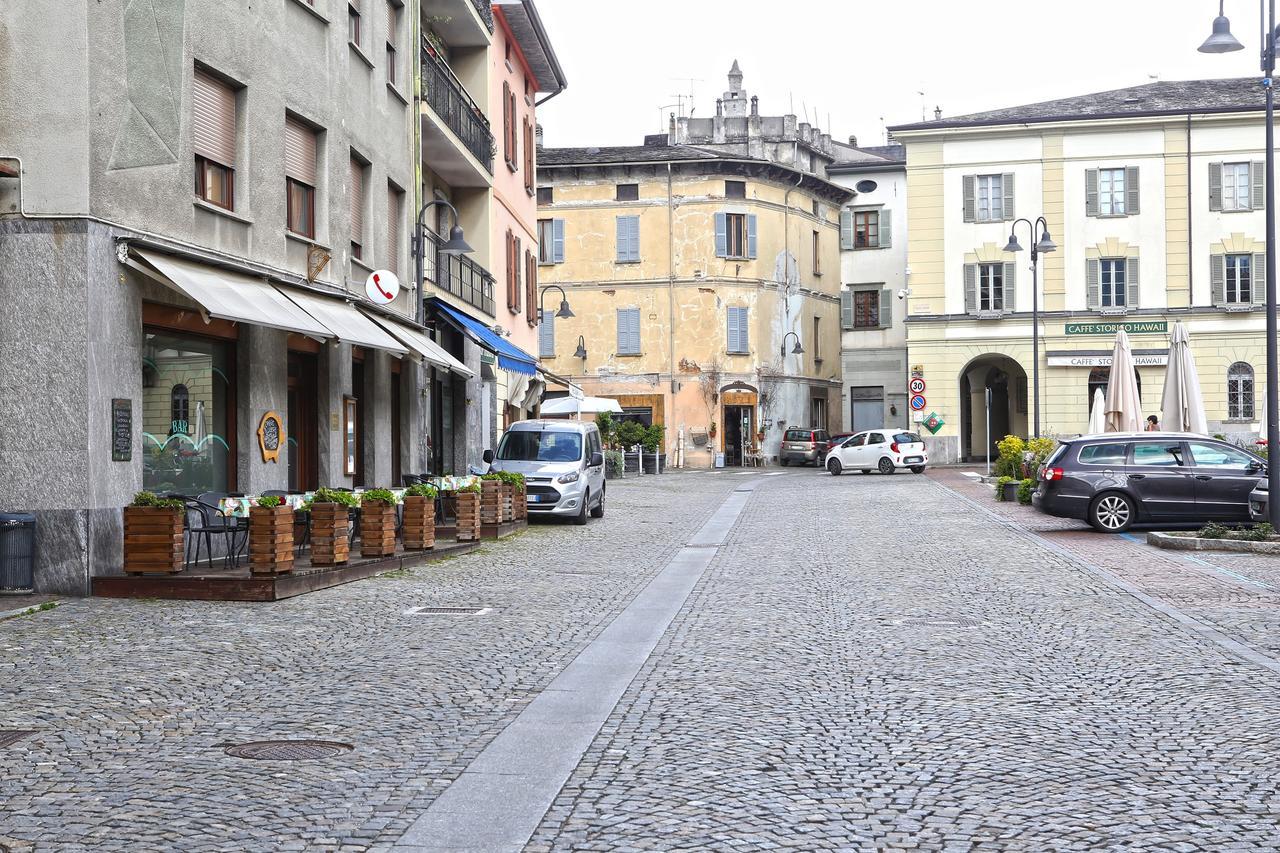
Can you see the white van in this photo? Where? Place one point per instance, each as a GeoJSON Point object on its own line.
{"type": "Point", "coordinates": [562, 463]}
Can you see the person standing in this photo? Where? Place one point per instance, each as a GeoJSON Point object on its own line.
{"type": "Point", "coordinates": [1153, 424]}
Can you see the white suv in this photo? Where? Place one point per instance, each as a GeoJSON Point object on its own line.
{"type": "Point", "coordinates": [885, 450]}
{"type": "Point", "coordinates": [562, 463]}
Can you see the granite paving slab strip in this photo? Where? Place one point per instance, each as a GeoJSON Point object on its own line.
{"type": "Point", "coordinates": [1189, 622]}
{"type": "Point", "coordinates": [499, 800]}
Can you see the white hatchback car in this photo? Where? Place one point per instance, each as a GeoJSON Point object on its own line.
{"type": "Point", "coordinates": [884, 450]}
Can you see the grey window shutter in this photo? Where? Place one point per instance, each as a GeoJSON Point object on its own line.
{"type": "Point", "coordinates": [1215, 186]}
{"type": "Point", "coordinates": [886, 308]}
{"type": "Point", "coordinates": [1258, 280]}
{"type": "Point", "coordinates": [743, 339]}
{"type": "Point", "coordinates": [970, 203]}
{"type": "Point", "coordinates": [846, 308]}
{"type": "Point", "coordinates": [1010, 286]}
{"type": "Point", "coordinates": [557, 241]}
{"type": "Point", "coordinates": [886, 229]}
{"type": "Point", "coordinates": [722, 236]}
{"type": "Point", "coordinates": [731, 329]}
{"type": "Point", "coordinates": [621, 237]}
{"type": "Point", "coordinates": [1218, 278]}
{"type": "Point", "coordinates": [622, 330]}
{"type": "Point", "coordinates": [1093, 283]}
{"type": "Point", "coordinates": [751, 235]}
{"type": "Point", "coordinates": [633, 317]}
{"type": "Point", "coordinates": [1131, 192]}
{"type": "Point", "coordinates": [1090, 192]}
{"type": "Point", "coordinates": [547, 335]}
{"type": "Point", "coordinates": [970, 288]}
{"type": "Point", "coordinates": [1007, 182]}
{"type": "Point", "coordinates": [846, 229]}
{"type": "Point", "coordinates": [1131, 280]}
{"type": "Point", "coordinates": [1258, 176]}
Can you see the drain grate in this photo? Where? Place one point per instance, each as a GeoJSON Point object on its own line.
{"type": "Point", "coordinates": [456, 611]}
{"type": "Point", "coordinates": [8, 737]}
{"type": "Point", "coordinates": [288, 750]}
{"type": "Point", "coordinates": [936, 622]}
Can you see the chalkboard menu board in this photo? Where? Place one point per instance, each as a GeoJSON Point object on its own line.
{"type": "Point", "coordinates": [121, 430]}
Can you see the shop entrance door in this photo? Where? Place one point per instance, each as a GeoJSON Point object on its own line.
{"type": "Point", "coordinates": [737, 434]}
{"type": "Point", "coordinates": [300, 423]}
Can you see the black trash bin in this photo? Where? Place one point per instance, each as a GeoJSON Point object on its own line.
{"type": "Point", "coordinates": [17, 551]}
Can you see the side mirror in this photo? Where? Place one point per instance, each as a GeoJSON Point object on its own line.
{"type": "Point", "coordinates": [597, 459]}
{"type": "Point", "coordinates": [487, 456]}
{"type": "Point", "coordinates": [1255, 466]}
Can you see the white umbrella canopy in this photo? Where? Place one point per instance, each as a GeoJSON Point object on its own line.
{"type": "Point", "coordinates": [1182, 406]}
{"type": "Point", "coordinates": [1097, 413]}
{"type": "Point", "coordinates": [1124, 404]}
{"type": "Point", "coordinates": [585, 406]}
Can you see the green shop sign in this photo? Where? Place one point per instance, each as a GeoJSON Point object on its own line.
{"type": "Point", "coordinates": [1150, 327]}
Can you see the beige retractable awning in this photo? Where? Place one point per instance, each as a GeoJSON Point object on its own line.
{"type": "Point", "coordinates": [428, 349]}
{"type": "Point", "coordinates": [344, 322]}
{"type": "Point", "coordinates": [231, 295]}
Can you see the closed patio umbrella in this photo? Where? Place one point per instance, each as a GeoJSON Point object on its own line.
{"type": "Point", "coordinates": [1097, 413]}
{"type": "Point", "coordinates": [1182, 407]}
{"type": "Point", "coordinates": [1124, 404]}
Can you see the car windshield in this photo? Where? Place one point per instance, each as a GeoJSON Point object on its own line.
{"type": "Point", "coordinates": [548, 446]}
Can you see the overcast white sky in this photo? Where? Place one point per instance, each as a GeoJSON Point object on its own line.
{"type": "Point", "coordinates": [864, 62]}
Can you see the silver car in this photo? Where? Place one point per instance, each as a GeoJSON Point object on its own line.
{"type": "Point", "coordinates": [562, 463]}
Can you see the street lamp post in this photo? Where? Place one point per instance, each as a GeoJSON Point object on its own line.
{"type": "Point", "coordinates": [455, 245]}
{"type": "Point", "coordinates": [1221, 41]}
{"type": "Point", "coordinates": [796, 350]}
{"type": "Point", "coordinates": [1038, 246]}
{"type": "Point", "coordinates": [563, 312]}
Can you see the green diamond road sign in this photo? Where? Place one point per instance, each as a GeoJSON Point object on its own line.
{"type": "Point", "coordinates": [934, 422]}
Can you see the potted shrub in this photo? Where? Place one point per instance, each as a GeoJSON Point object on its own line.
{"type": "Point", "coordinates": [711, 430]}
{"type": "Point", "coordinates": [519, 497]}
{"type": "Point", "coordinates": [419, 524]}
{"type": "Point", "coordinates": [491, 500]}
{"type": "Point", "coordinates": [630, 434]}
{"type": "Point", "coordinates": [469, 513]}
{"type": "Point", "coordinates": [1009, 456]}
{"type": "Point", "coordinates": [1006, 489]}
{"type": "Point", "coordinates": [606, 424]}
{"type": "Point", "coordinates": [613, 464]}
{"type": "Point", "coordinates": [1025, 490]}
{"type": "Point", "coordinates": [153, 534]}
{"type": "Point", "coordinates": [652, 442]}
{"type": "Point", "coordinates": [330, 532]}
{"type": "Point", "coordinates": [270, 536]}
{"type": "Point", "coordinates": [377, 523]}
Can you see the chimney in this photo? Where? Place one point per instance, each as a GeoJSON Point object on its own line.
{"type": "Point", "coordinates": [937, 113]}
{"type": "Point", "coordinates": [537, 136]}
{"type": "Point", "coordinates": [853, 140]}
{"type": "Point", "coordinates": [755, 105]}
{"type": "Point", "coordinates": [719, 106]}
{"type": "Point", "coordinates": [671, 129]}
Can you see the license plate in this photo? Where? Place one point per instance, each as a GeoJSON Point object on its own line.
{"type": "Point", "coordinates": [537, 499]}
{"type": "Point", "coordinates": [912, 459]}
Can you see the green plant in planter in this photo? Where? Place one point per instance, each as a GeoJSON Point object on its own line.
{"type": "Point", "coordinates": [151, 499]}
{"type": "Point", "coordinates": [270, 501]}
{"type": "Point", "coordinates": [492, 475]}
{"type": "Point", "coordinates": [606, 425]}
{"type": "Point", "coordinates": [378, 496]}
{"type": "Point", "coordinates": [1000, 484]}
{"type": "Point", "coordinates": [630, 433]}
{"type": "Point", "coordinates": [1009, 458]}
{"type": "Point", "coordinates": [422, 490]}
{"type": "Point", "coordinates": [1025, 489]}
{"type": "Point", "coordinates": [331, 496]}
{"type": "Point", "coordinates": [516, 481]}
{"type": "Point", "coordinates": [652, 438]}
{"type": "Point", "coordinates": [614, 461]}
{"type": "Point", "coordinates": [474, 488]}
{"type": "Point", "coordinates": [1040, 450]}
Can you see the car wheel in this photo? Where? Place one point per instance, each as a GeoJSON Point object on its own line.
{"type": "Point", "coordinates": [598, 510]}
{"type": "Point", "coordinates": [1112, 513]}
{"type": "Point", "coordinates": [917, 469]}
{"type": "Point", "coordinates": [833, 465]}
{"type": "Point", "coordinates": [581, 517]}
{"type": "Point", "coordinates": [886, 465]}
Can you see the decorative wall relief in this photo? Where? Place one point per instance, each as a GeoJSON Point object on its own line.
{"type": "Point", "coordinates": [153, 49]}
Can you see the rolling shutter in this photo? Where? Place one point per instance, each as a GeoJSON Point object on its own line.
{"type": "Point", "coordinates": [299, 152]}
{"type": "Point", "coordinates": [356, 198]}
{"type": "Point", "coordinates": [393, 230]}
{"type": "Point", "coordinates": [213, 119]}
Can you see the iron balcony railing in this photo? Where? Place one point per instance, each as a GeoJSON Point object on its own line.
{"type": "Point", "coordinates": [447, 97]}
{"type": "Point", "coordinates": [459, 275]}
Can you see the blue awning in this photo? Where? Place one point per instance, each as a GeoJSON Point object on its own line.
{"type": "Point", "coordinates": [510, 356]}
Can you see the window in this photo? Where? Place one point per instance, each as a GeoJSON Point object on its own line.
{"type": "Point", "coordinates": [817, 209]}
{"type": "Point", "coordinates": [395, 208]}
{"type": "Point", "coordinates": [1113, 283]}
{"type": "Point", "coordinates": [1103, 454]}
{"type": "Point", "coordinates": [628, 230]}
{"type": "Point", "coordinates": [735, 235]}
{"type": "Point", "coordinates": [546, 195]}
{"type": "Point", "coordinates": [1236, 186]}
{"type": "Point", "coordinates": [300, 177]}
{"type": "Point", "coordinates": [213, 136]}
{"type": "Point", "coordinates": [991, 287]}
{"type": "Point", "coordinates": [628, 331]}
{"type": "Point", "coordinates": [355, 24]}
{"type": "Point", "coordinates": [1111, 192]}
{"type": "Point", "coordinates": [866, 309]}
{"type": "Point", "coordinates": [735, 189]}
{"type": "Point", "coordinates": [547, 335]}
{"type": "Point", "coordinates": [393, 38]}
{"type": "Point", "coordinates": [627, 192]}
{"type": "Point", "coordinates": [817, 352]}
{"type": "Point", "coordinates": [1238, 279]}
{"type": "Point", "coordinates": [355, 195]}
{"type": "Point", "coordinates": [509, 133]}
{"type": "Point", "coordinates": [990, 198]}
{"type": "Point", "coordinates": [1240, 392]}
{"type": "Point", "coordinates": [550, 241]}
{"type": "Point", "coordinates": [1100, 377]}
{"type": "Point", "coordinates": [1217, 456]}
{"type": "Point", "coordinates": [867, 186]}
{"type": "Point", "coordinates": [188, 413]}
{"type": "Point", "coordinates": [738, 340]}
{"type": "Point", "coordinates": [513, 272]}
{"type": "Point", "coordinates": [817, 253]}
{"type": "Point", "coordinates": [862, 307]}
{"type": "Point", "coordinates": [528, 157]}
{"type": "Point", "coordinates": [818, 412]}
{"type": "Point", "coordinates": [866, 229]}
{"type": "Point", "coordinates": [180, 410]}
{"type": "Point", "coordinates": [1162, 454]}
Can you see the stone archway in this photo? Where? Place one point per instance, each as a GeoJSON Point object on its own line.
{"type": "Point", "coordinates": [1008, 383]}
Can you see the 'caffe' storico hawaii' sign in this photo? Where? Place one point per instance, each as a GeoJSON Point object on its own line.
{"type": "Point", "coordinates": [1135, 327]}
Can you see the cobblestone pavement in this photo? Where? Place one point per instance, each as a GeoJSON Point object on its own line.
{"type": "Point", "coordinates": [868, 663]}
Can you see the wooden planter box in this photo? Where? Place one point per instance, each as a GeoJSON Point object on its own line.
{"type": "Point", "coordinates": [490, 503]}
{"type": "Point", "coordinates": [152, 540]}
{"type": "Point", "coordinates": [508, 502]}
{"type": "Point", "coordinates": [377, 529]}
{"type": "Point", "coordinates": [419, 527]}
{"type": "Point", "coordinates": [468, 517]}
{"type": "Point", "coordinates": [519, 503]}
{"type": "Point", "coordinates": [270, 540]}
{"type": "Point", "coordinates": [330, 543]}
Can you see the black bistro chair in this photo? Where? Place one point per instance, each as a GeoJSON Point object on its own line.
{"type": "Point", "coordinates": [237, 528]}
{"type": "Point", "coordinates": [204, 523]}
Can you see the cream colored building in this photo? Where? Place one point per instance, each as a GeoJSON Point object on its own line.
{"type": "Point", "coordinates": [1153, 195]}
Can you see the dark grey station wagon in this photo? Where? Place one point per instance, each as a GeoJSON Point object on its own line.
{"type": "Point", "coordinates": [1116, 480]}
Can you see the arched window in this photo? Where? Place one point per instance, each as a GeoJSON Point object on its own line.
{"type": "Point", "coordinates": [1240, 392]}
{"type": "Point", "coordinates": [1100, 378]}
{"type": "Point", "coordinates": [179, 410]}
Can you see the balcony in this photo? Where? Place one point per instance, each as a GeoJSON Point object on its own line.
{"type": "Point", "coordinates": [459, 275]}
{"type": "Point", "coordinates": [456, 141]}
{"type": "Point", "coordinates": [461, 23]}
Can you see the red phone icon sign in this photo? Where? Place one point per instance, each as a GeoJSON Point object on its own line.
{"type": "Point", "coordinates": [378, 284]}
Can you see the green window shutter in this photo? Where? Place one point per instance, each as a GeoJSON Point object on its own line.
{"type": "Point", "coordinates": [1218, 278]}
{"type": "Point", "coordinates": [1215, 186]}
{"type": "Point", "coordinates": [886, 229]}
{"type": "Point", "coordinates": [751, 235]}
{"type": "Point", "coordinates": [1131, 273]}
{"type": "Point", "coordinates": [1258, 284]}
{"type": "Point", "coordinates": [1258, 177]}
{"type": "Point", "coordinates": [1093, 283]}
{"type": "Point", "coordinates": [1090, 192]}
{"type": "Point", "coordinates": [970, 198]}
{"type": "Point", "coordinates": [886, 308]}
{"type": "Point", "coordinates": [557, 241]}
{"type": "Point", "coordinates": [846, 228]}
{"type": "Point", "coordinates": [846, 308]}
{"type": "Point", "coordinates": [722, 236]}
{"type": "Point", "coordinates": [1131, 193]}
{"type": "Point", "coordinates": [970, 288]}
{"type": "Point", "coordinates": [1010, 286]}
{"type": "Point", "coordinates": [547, 335]}
{"type": "Point", "coordinates": [1007, 182]}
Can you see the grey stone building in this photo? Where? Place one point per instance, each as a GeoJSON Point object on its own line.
{"type": "Point", "coordinates": [192, 196]}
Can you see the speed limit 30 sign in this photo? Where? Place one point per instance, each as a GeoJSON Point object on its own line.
{"type": "Point", "coordinates": [917, 386]}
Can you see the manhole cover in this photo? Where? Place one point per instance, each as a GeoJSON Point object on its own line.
{"type": "Point", "coordinates": [287, 750]}
{"type": "Point", "coordinates": [936, 622]}
{"type": "Point", "coordinates": [458, 611]}
{"type": "Point", "coordinates": [8, 737]}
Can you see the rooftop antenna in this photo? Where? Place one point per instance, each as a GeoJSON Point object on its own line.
{"type": "Point", "coordinates": [884, 130]}
{"type": "Point", "coordinates": [922, 107]}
